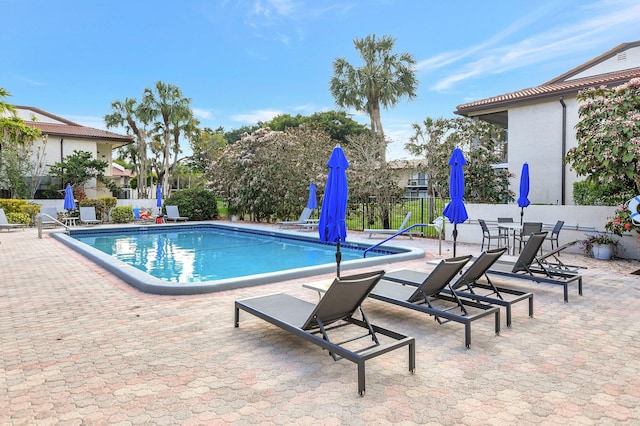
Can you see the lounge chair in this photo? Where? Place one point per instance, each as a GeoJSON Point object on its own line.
{"type": "Point", "coordinates": [4, 223]}
{"type": "Point", "coordinates": [137, 218]}
{"type": "Point", "coordinates": [302, 220]}
{"type": "Point", "coordinates": [173, 214]}
{"type": "Point", "coordinates": [88, 216]}
{"type": "Point", "coordinates": [467, 285]}
{"type": "Point", "coordinates": [403, 225]}
{"type": "Point", "coordinates": [551, 260]}
{"type": "Point", "coordinates": [49, 216]}
{"type": "Point", "coordinates": [529, 266]}
{"type": "Point", "coordinates": [430, 293]}
{"type": "Point", "coordinates": [313, 322]}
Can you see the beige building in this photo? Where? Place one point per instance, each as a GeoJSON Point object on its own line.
{"type": "Point", "coordinates": [540, 121]}
{"type": "Point", "coordinates": [64, 136]}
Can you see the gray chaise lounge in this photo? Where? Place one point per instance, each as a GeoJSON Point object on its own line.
{"type": "Point", "coordinates": [335, 309]}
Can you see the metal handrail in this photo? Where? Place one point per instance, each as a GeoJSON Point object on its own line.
{"type": "Point", "coordinates": [52, 218]}
{"type": "Point", "coordinates": [408, 229]}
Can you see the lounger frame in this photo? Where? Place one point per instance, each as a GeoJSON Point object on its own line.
{"type": "Point", "coordinates": [444, 272]}
{"type": "Point", "coordinates": [316, 330]}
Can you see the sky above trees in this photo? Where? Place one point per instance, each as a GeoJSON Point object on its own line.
{"type": "Point", "coordinates": [246, 61]}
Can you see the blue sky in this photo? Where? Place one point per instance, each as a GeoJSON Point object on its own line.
{"type": "Point", "coordinates": [244, 61]}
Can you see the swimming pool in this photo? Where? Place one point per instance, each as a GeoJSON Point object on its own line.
{"type": "Point", "coordinates": [173, 259]}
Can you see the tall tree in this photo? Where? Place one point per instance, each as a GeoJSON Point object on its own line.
{"type": "Point", "coordinates": [384, 79]}
{"type": "Point", "coordinates": [482, 143]}
{"type": "Point", "coordinates": [173, 118]}
{"type": "Point", "coordinates": [125, 115]}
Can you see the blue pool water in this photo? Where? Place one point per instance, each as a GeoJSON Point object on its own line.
{"type": "Point", "coordinates": [198, 258]}
{"type": "Point", "coordinates": [196, 255]}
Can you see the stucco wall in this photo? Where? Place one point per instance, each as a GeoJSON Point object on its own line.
{"type": "Point", "coordinates": [578, 219]}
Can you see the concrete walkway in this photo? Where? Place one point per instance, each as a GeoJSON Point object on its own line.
{"type": "Point", "coordinates": [81, 347]}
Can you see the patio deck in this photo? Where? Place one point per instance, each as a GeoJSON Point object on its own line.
{"type": "Point", "coordinates": [79, 346]}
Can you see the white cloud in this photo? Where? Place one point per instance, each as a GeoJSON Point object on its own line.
{"type": "Point", "coordinates": [254, 117]}
{"type": "Point", "coordinates": [605, 24]}
{"type": "Point", "coordinates": [201, 113]}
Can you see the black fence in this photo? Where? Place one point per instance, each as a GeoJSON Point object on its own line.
{"type": "Point", "coordinates": [372, 215]}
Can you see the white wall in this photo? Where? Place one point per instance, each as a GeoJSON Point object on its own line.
{"type": "Point", "coordinates": [627, 59]}
{"type": "Point", "coordinates": [577, 220]}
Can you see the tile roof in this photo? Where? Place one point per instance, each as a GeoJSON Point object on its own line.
{"type": "Point", "coordinates": [550, 89]}
{"type": "Point", "coordinates": [78, 131]}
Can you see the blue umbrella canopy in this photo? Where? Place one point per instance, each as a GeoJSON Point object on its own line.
{"type": "Point", "coordinates": [332, 226]}
{"type": "Point", "coordinates": [159, 196]}
{"type": "Point", "coordinates": [523, 201]}
{"type": "Point", "coordinates": [456, 211]}
{"type": "Point", "coordinates": [69, 201]}
{"type": "Point", "coordinates": [313, 199]}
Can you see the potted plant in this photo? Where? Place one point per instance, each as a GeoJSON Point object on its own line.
{"type": "Point", "coordinates": [600, 246]}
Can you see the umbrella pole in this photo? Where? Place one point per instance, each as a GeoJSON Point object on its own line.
{"type": "Point", "coordinates": [338, 259]}
{"type": "Point", "coordinates": [521, 214]}
{"type": "Point", "coordinates": [455, 237]}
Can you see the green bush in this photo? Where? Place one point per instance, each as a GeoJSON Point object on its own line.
{"type": "Point", "coordinates": [590, 194]}
{"type": "Point", "coordinates": [195, 203]}
{"type": "Point", "coordinates": [23, 218]}
{"type": "Point", "coordinates": [122, 214]}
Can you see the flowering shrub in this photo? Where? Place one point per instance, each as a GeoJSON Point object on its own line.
{"type": "Point", "coordinates": [621, 222]}
{"type": "Point", "coordinates": [608, 134]}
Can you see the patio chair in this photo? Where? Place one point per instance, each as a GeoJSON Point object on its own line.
{"type": "Point", "coordinates": [488, 235]}
{"type": "Point", "coordinates": [49, 217]}
{"type": "Point", "coordinates": [467, 286]}
{"type": "Point", "coordinates": [504, 220]}
{"type": "Point", "coordinates": [530, 267]}
{"type": "Point", "coordinates": [315, 322]}
{"type": "Point", "coordinates": [174, 214]}
{"type": "Point", "coordinates": [431, 298]}
{"type": "Point", "coordinates": [553, 236]}
{"type": "Point", "coordinates": [302, 220]}
{"type": "Point", "coordinates": [528, 228]}
{"type": "Point", "coordinates": [4, 223]}
{"type": "Point", "coordinates": [403, 225]}
{"type": "Point", "coordinates": [88, 216]}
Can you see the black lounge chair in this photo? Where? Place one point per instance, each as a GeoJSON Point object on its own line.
{"type": "Point", "coordinates": [334, 310]}
{"type": "Point", "coordinates": [430, 293]}
{"type": "Point", "coordinates": [468, 287]}
{"type": "Point", "coordinates": [551, 260]}
{"type": "Point", "coordinates": [531, 267]}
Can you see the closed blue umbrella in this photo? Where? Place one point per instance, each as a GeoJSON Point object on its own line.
{"type": "Point", "coordinates": [332, 226]}
{"type": "Point", "coordinates": [523, 201]}
{"type": "Point", "coordinates": [159, 196]}
{"type": "Point", "coordinates": [313, 199]}
{"type": "Point", "coordinates": [456, 211]}
{"type": "Point", "coordinates": [69, 201]}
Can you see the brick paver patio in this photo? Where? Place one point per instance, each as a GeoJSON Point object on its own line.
{"type": "Point", "coordinates": [79, 346]}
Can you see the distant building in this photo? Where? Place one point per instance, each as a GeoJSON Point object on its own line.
{"type": "Point", "coordinates": [540, 121]}
{"type": "Point", "coordinates": [64, 136]}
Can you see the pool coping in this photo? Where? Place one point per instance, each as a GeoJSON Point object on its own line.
{"type": "Point", "coordinates": [149, 284]}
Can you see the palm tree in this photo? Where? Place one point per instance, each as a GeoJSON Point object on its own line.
{"type": "Point", "coordinates": [167, 105]}
{"type": "Point", "coordinates": [384, 79]}
{"type": "Point", "coordinates": [125, 114]}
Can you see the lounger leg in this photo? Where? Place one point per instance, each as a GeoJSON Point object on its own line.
{"type": "Point", "coordinates": [508, 310]}
{"type": "Point", "coordinates": [566, 293]}
{"type": "Point", "coordinates": [531, 306]}
{"type": "Point", "coordinates": [237, 317]}
{"type": "Point", "coordinates": [580, 286]}
{"type": "Point", "coordinates": [361, 377]}
{"type": "Point", "coordinates": [497, 321]}
{"type": "Point", "coordinates": [467, 335]}
{"type": "Point", "coordinates": [412, 357]}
